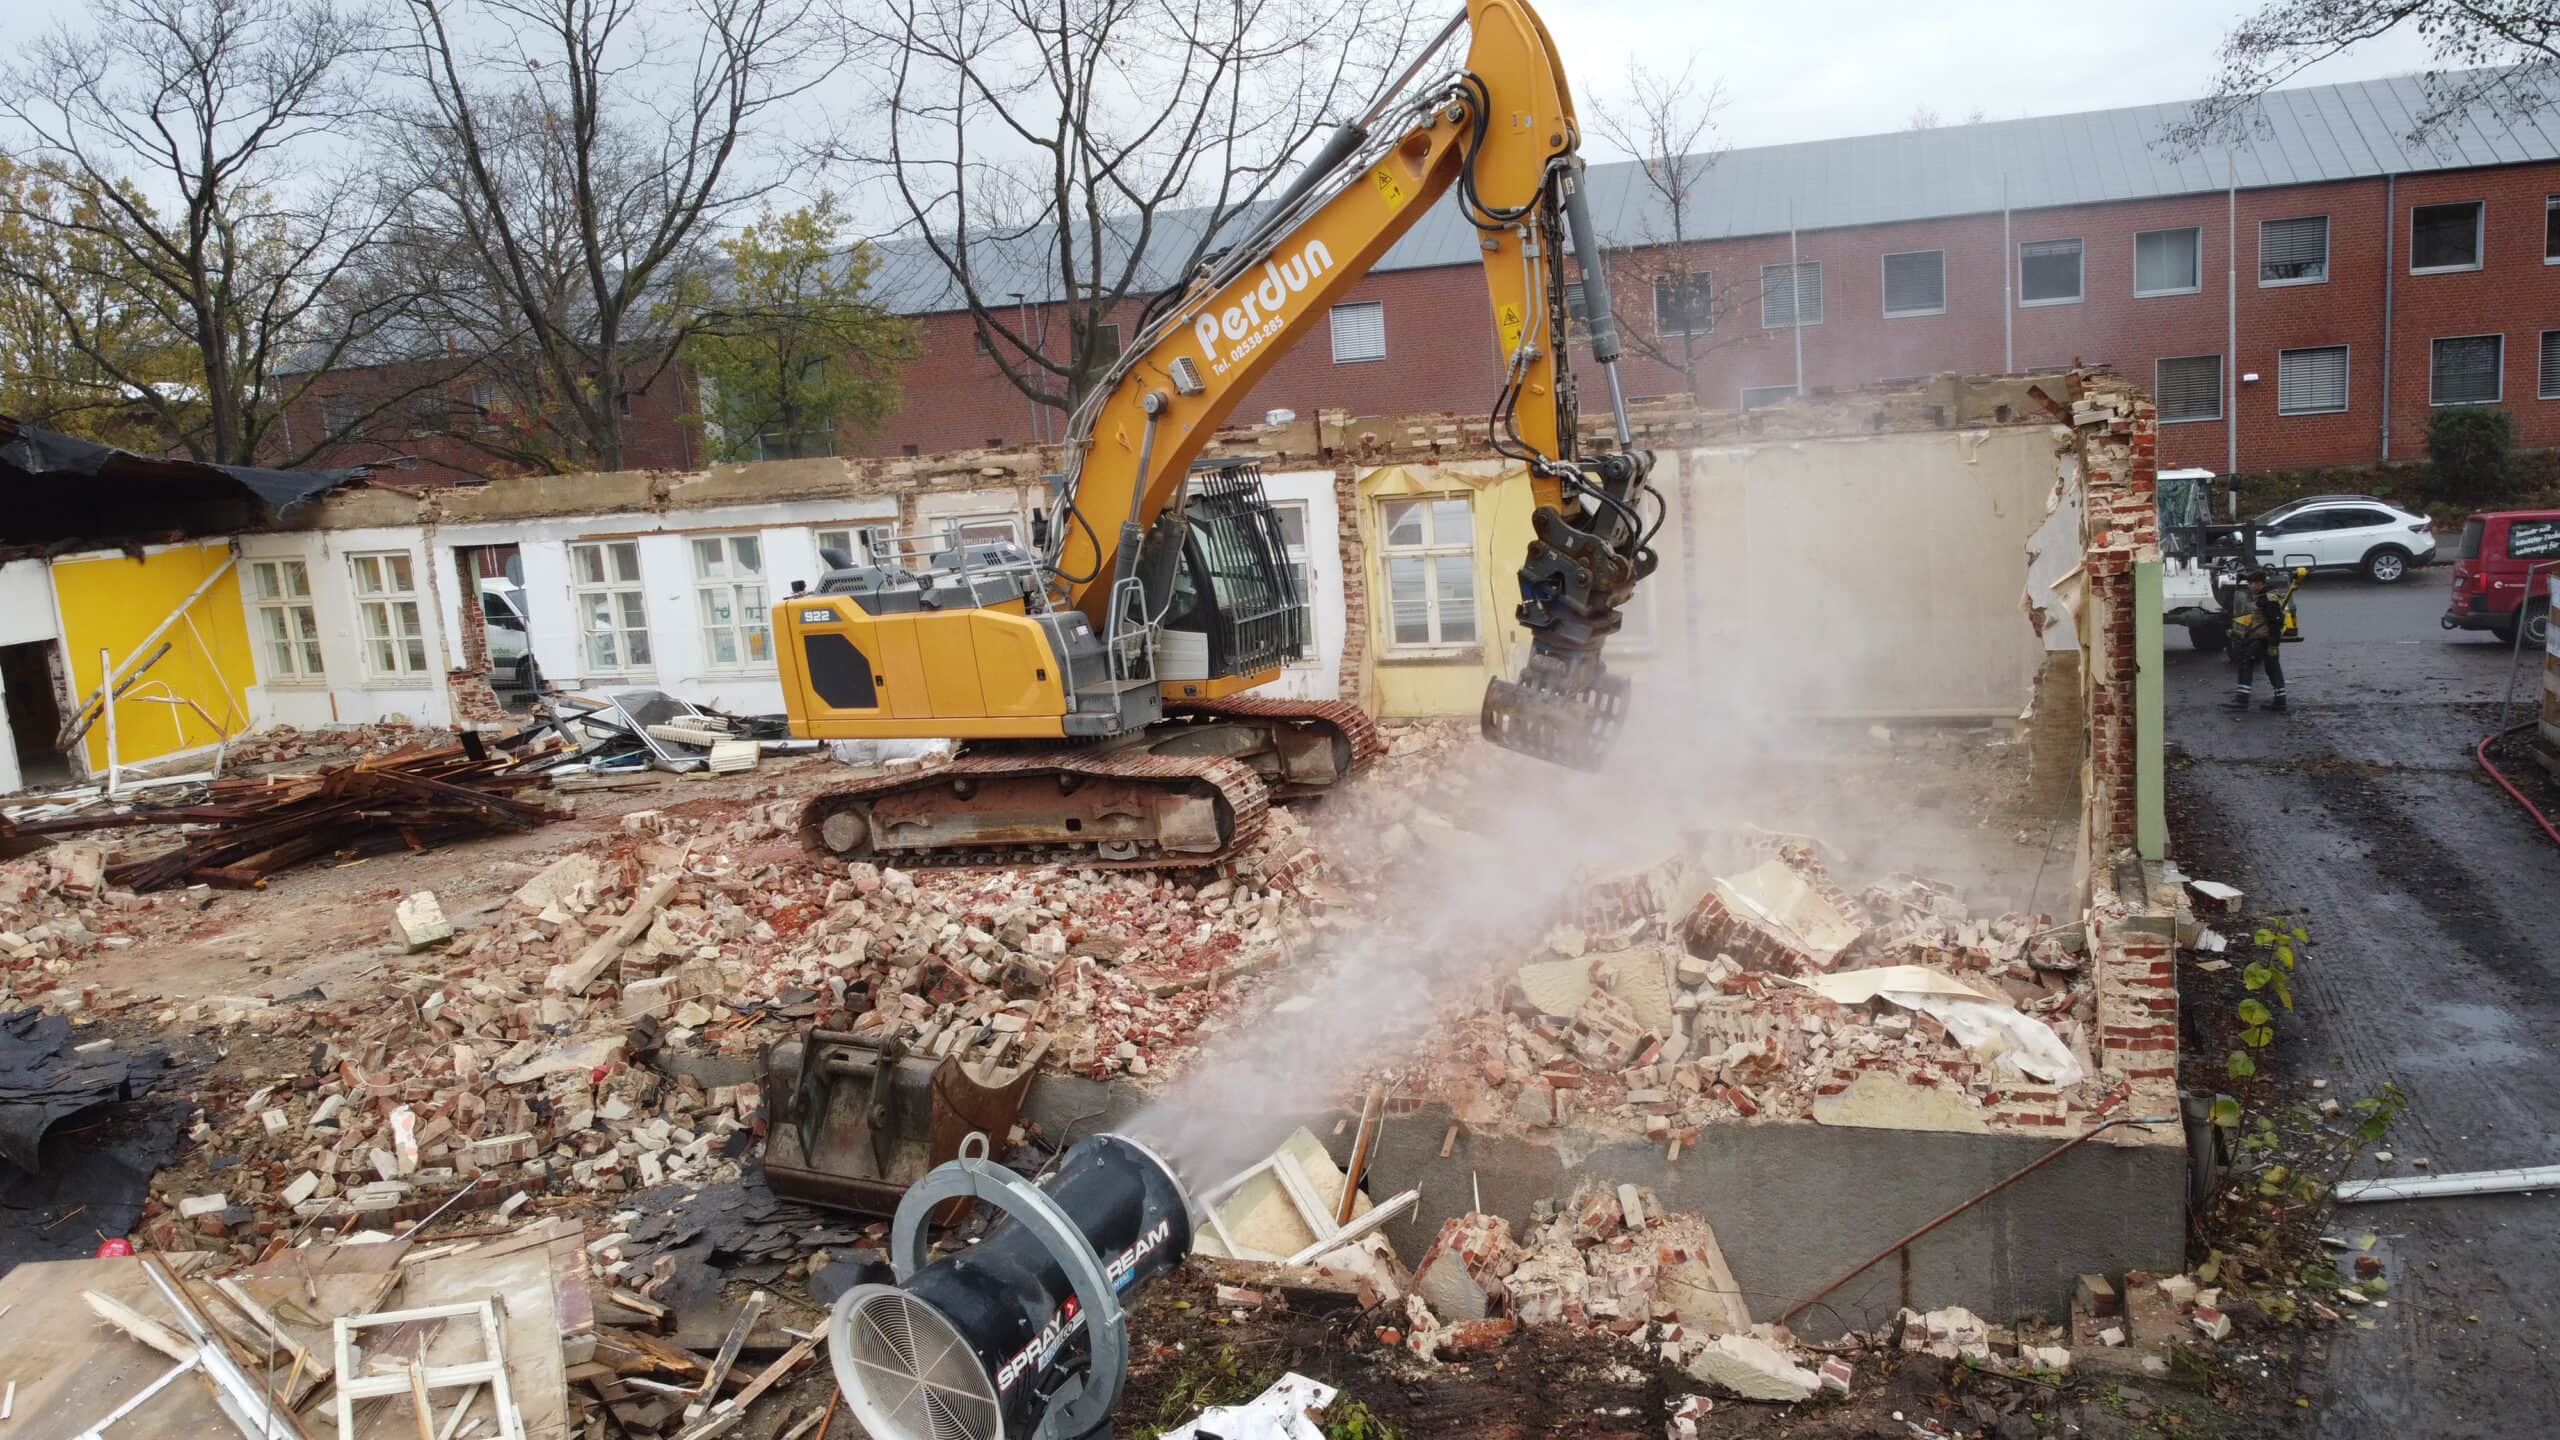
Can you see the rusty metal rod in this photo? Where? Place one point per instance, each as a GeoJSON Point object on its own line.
{"type": "Point", "coordinates": [2013, 1178]}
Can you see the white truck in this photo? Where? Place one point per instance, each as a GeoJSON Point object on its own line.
{"type": "Point", "coordinates": [2202, 560]}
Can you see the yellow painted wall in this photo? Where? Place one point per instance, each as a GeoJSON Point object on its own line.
{"type": "Point", "coordinates": [113, 601]}
{"type": "Point", "coordinates": [1449, 685]}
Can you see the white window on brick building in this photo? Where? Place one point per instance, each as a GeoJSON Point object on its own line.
{"type": "Point", "coordinates": [2551, 231]}
{"type": "Point", "coordinates": [2549, 389]}
{"type": "Point", "coordinates": [2312, 380]}
{"type": "Point", "coordinates": [389, 620]}
{"type": "Point", "coordinates": [1684, 304]}
{"type": "Point", "coordinates": [1359, 332]}
{"type": "Point", "coordinates": [2293, 251]}
{"type": "Point", "coordinates": [1755, 396]}
{"type": "Point", "coordinates": [2189, 387]}
{"type": "Point", "coordinates": [2168, 262]}
{"type": "Point", "coordinates": [1915, 283]}
{"type": "Point", "coordinates": [2049, 272]}
{"type": "Point", "coordinates": [1791, 295]}
{"type": "Point", "coordinates": [2445, 237]}
{"type": "Point", "coordinates": [2467, 370]}
{"type": "Point", "coordinates": [729, 596]}
{"type": "Point", "coordinates": [613, 612]}
{"type": "Point", "coordinates": [1430, 563]}
{"type": "Point", "coordinates": [288, 627]}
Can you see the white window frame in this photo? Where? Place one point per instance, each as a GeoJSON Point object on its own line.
{"type": "Point", "coordinates": [388, 614]}
{"type": "Point", "coordinates": [301, 662]}
{"type": "Point", "coordinates": [750, 617]}
{"type": "Point", "coordinates": [856, 540]}
{"type": "Point", "coordinates": [2079, 293]}
{"type": "Point", "coordinates": [1431, 551]}
{"type": "Point", "coordinates": [2326, 231]}
{"type": "Point", "coordinates": [613, 587]}
{"type": "Point", "coordinates": [1794, 271]}
{"type": "Point", "coordinates": [1691, 278]}
{"type": "Point", "coordinates": [2220, 380]}
{"type": "Point", "coordinates": [2479, 246]}
{"type": "Point", "coordinates": [1884, 284]}
{"type": "Point", "coordinates": [2543, 390]}
{"type": "Point", "coordinates": [2347, 389]}
{"type": "Point", "coordinates": [1333, 322]}
{"type": "Point", "coordinates": [1300, 558]}
{"type": "Point", "coordinates": [2500, 394]}
{"type": "Point", "coordinates": [1776, 392]}
{"type": "Point", "coordinates": [2141, 294]}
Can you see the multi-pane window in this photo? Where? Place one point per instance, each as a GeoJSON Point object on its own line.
{"type": "Point", "coordinates": [280, 593]}
{"type": "Point", "coordinates": [1791, 295]}
{"type": "Point", "coordinates": [389, 620]}
{"type": "Point", "coordinates": [1755, 396]}
{"type": "Point", "coordinates": [1684, 304]}
{"type": "Point", "coordinates": [2311, 381]}
{"type": "Point", "coordinates": [337, 413]}
{"type": "Point", "coordinates": [1292, 515]}
{"type": "Point", "coordinates": [1430, 554]}
{"type": "Point", "coordinates": [728, 584]}
{"type": "Point", "coordinates": [2550, 386]}
{"type": "Point", "coordinates": [613, 612]}
{"type": "Point", "coordinates": [2168, 262]}
{"type": "Point", "coordinates": [2049, 272]}
{"type": "Point", "coordinates": [2467, 370]}
{"type": "Point", "coordinates": [2445, 237]}
{"type": "Point", "coordinates": [1359, 332]}
{"type": "Point", "coordinates": [2190, 387]}
{"type": "Point", "coordinates": [1915, 283]}
{"type": "Point", "coordinates": [2293, 251]}
{"type": "Point", "coordinates": [484, 403]}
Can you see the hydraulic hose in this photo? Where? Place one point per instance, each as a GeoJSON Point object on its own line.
{"type": "Point", "coordinates": [2480, 752]}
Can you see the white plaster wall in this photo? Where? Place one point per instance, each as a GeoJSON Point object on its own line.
{"type": "Point", "coordinates": [1318, 678]}
{"type": "Point", "coordinates": [26, 603]}
{"type": "Point", "coordinates": [347, 694]}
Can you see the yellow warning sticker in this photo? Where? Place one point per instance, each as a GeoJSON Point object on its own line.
{"type": "Point", "coordinates": [1510, 318]}
{"type": "Point", "coordinates": [1389, 186]}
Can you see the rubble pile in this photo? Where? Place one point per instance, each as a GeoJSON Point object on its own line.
{"type": "Point", "coordinates": [597, 1033]}
{"type": "Point", "coordinates": [1607, 1261]}
{"type": "Point", "coordinates": [280, 744]}
{"type": "Point", "coordinates": [1678, 998]}
{"type": "Point", "coordinates": [56, 908]}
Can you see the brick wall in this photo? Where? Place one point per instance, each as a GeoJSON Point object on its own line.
{"type": "Point", "coordinates": [2115, 439]}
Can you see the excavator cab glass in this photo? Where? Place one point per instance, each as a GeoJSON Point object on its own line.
{"type": "Point", "coordinates": [1235, 584]}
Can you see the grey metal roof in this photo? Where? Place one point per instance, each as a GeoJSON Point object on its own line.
{"type": "Point", "coordinates": [2304, 136]}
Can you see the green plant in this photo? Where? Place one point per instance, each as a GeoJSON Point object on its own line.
{"type": "Point", "coordinates": [2272, 976]}
{"type": "Point", "coordinates": [2472, 451]}
{"type": "Point", "coordinates": [1356, 1421]}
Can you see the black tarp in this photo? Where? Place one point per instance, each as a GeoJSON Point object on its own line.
{"type": "Point", "coordinates": [44, 1080]}
{"type": "Point", "coordinates": [44, 471]}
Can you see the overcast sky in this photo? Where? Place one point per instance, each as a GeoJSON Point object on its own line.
{"type": "Point", "coordinates": [1853, 67]}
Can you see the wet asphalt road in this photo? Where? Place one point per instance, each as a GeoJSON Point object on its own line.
{"type": "Point", "coordinates": [2434, 910]}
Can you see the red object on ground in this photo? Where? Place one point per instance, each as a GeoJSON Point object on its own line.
{"type": "Point", "coordinates": [2496, 582]}
{"type": "Point", "coordinates": [2480, 752]}
{"type": "Point", "coordinates": [113, 1246]}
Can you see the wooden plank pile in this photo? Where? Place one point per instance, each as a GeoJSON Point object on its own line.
{"type": "Point", "coordinates": [243, 830]}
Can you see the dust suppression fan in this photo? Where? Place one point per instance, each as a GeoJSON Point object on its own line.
{"type": "Point", "coordinates": [1020, 1336]}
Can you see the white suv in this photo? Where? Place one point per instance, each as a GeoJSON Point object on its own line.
{"type": "Point", "coordinates": [2346, 532]}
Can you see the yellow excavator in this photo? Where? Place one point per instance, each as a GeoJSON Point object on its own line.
{"type": "Point", "coordinates": [1100, 689]}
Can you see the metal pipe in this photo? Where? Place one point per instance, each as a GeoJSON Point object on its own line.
{"type": "Point", "coordinates": [2468, 1182]}
{"type": "Point", "coordinates": [2230, 314]}
{"type": "Point", "coordinates": [2390, 278]}
{"type": "Point", "coordinates": [2014, 1177]}
{"type": "Point", "coordinates": [1795, 294]}
{"type": "Point", "coordinates": [2008, 284]}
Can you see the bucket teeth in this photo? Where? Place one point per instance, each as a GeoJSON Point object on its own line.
{"type": "Point", "coordinates": [1564, 713]}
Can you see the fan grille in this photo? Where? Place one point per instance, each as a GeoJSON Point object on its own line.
{"type": "Point", "coordinates": [909, 1375]}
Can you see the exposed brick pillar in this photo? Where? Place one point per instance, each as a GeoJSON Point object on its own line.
{"type": "Point", "coordinates": [1351, 561]}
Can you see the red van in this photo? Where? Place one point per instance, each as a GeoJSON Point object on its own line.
{"type": "Point", "coordinates": [2500, 553]}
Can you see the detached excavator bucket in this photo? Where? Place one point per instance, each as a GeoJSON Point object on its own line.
{"type": "Point", "coordinates": [1561, 713]}
{"type": "Point", "coordinates": [856, 1121]}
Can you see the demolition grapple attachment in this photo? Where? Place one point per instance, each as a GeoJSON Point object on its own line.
{"type": "Point", "coordinates": [1582, 566]}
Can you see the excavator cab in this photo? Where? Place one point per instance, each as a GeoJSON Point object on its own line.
{"type": "Point", "coordinates": [1232, 608]}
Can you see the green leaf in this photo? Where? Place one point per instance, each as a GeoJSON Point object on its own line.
{"type": "Point", "coordinates": [2258, 975]}
{"type": "Point", "coordinates": [2263, 938]}
{"type": "Point", "coordinates": [2302, 934]}
{"type": "Point", "coordinates": [2253, 1012]}
{"type": "Point", "coordinates": [2284, 954]}
{"type": "Point", "coordinates": [2241, 1065]}
{"type": "Point", "coordinates": [2258, 1037]}
{"type": "Point", "coordinates": [2225, 1112]}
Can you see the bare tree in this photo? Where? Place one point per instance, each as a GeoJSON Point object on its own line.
{"type": "Point", "coordinates": [1926, 117]}
{"type": "Point", "coordinates": [1066, 158]}
{"type": "Point", "coordinates": [565, 167]}
{"type": "Point", "coordinates": [1668, 309]}
{"type": "Point", "coordinates": [2502, 55]}
{"type": "Point", "coordinates": [190, 146]}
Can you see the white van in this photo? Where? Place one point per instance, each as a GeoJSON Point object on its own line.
{"type": "Point", "coordinates": [509, 639]}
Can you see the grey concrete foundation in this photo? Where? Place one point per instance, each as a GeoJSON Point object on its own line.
{"type": "Point", "coordinates": [1793, 1204]}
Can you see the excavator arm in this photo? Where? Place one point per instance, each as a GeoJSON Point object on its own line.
{"type": "Point", "coordinates": [1499, 128]}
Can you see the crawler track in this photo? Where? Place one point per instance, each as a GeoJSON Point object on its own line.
{"type": "Point", "coordinates": [1130, 789]}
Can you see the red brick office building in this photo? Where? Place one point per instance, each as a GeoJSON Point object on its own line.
{"type": "Point", "coordinates": [2303, 298]}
